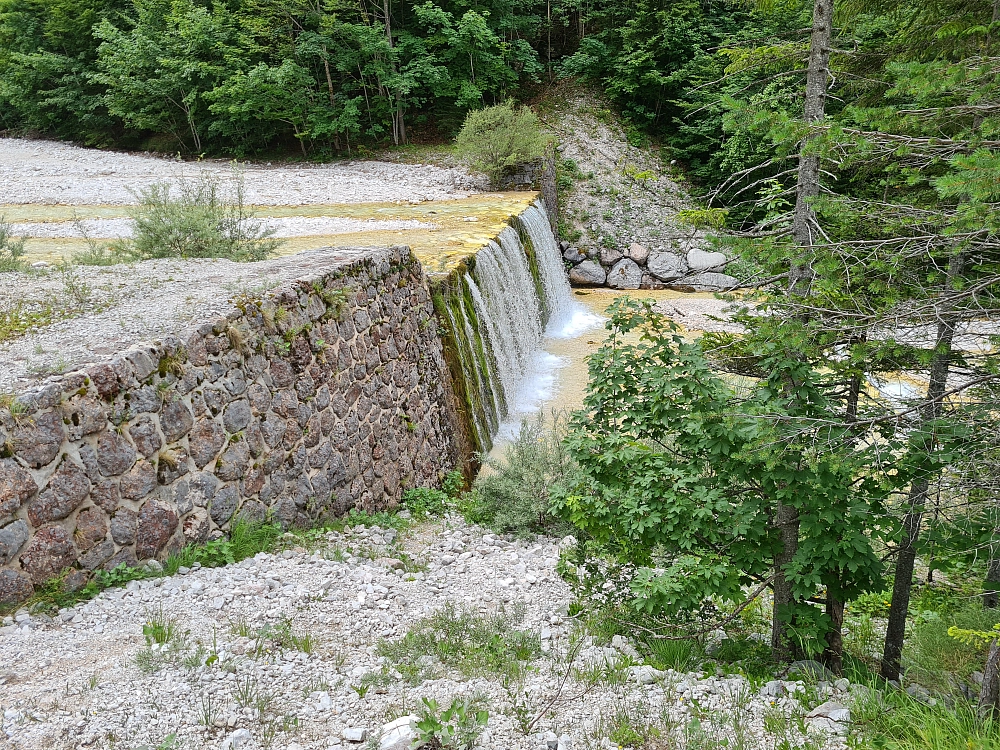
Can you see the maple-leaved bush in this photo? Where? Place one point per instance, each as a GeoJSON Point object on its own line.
{"type": "Point", "coordinates": [683, 469]}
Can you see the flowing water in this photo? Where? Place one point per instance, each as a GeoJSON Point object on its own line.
{"type": "Point", "coordinates": [521, 300]}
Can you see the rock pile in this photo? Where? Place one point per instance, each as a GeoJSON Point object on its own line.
{"type": "Point", "coordinates": [684, 267]}
{"type": "Point", "coordinates": [620, 207]}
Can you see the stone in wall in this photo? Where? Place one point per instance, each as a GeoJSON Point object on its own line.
{"type": "Point", "coordinates": [326, 394]}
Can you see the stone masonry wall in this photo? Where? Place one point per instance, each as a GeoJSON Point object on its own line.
{"type": "Point", "coordinates": [325, 394]}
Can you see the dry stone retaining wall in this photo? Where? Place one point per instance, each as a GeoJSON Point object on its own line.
{"type": "Point", "coordinates": [325, 394]}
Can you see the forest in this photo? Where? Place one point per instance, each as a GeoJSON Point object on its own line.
{"type": "Point", "coordinates": [847, 152]}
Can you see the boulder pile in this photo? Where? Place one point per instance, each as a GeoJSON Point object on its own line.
{"type": "Point", "coordinates": [684, 267]}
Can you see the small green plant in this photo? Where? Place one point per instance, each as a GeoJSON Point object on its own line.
{"type": "Point", "coordinates": [456, 727]}
{"type": "Point", "coordinates": [425, 501]}
{"type": "Point", "coordinates": [362, 689]}
{"type": "Point", "coordinates": [495, 139]}
{"type": "Point", "coordinates": [210, 710]}
{"type": "Point", "coordinates": [160, 629]}
{"type": "Point", "coordinates": [463, 639]}
{"type": "Point", "coordinates": [168, 743]}
{"type": "Point", "coordinates": [873, 604]}
{"type": "Point", "coordinates": [248, 693]}
{"type": "Point", "coordinates": [453, 483]}
{"type": "Point", "coordinates": [11, 249]}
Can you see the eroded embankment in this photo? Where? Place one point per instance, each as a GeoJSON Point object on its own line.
{"type": "Point", "coordinates": [329, 392]}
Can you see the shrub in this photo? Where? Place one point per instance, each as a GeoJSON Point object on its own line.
{"type": "Point", "coordinates": [512, 493]}
{"type": "Point", "coordinates": [11, 250]}
{"type": "Point", "coordinates": [932, 657]}
{"type": "Point", "coordinates": [495, 139]}
{"type": "Point", "coordinates": [198, 220]}
{"type": "Point", "coordinates": [426, 501]}
{"type": "Point", "coordinates": [457, 727]}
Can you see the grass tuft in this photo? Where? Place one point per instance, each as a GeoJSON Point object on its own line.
{"type": "Point", "coordinates": [462, 639]}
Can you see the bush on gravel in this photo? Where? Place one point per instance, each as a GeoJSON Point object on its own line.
{"type": "Point", "coordinates": [513, 494]}
{"type": "Point", "coordinates": [198, 220]}
{"type": "Point", "coordinates": [496, 139]}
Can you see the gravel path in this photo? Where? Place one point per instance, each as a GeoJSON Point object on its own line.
{"type": "Point", "coordinates": [51, 172]}
{"type": "Point", "coordinates": [114, 307]}
{"type": "Point", "coordinates": [74, 680]}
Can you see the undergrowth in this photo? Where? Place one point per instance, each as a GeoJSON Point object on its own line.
{"type": "Point", "coordinates": [512, 494]}
{"type": "Point", "coordinates": [19, 316]}
{"type": "Point", "coordinates": [460, 638]}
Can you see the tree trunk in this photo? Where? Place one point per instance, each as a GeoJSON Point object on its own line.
{"type": "Point", "coordinates": [991, 587]}
{"type": "Point", "coordinates": [800, 278]}
{"type": "Point", "coordinates": [905, 559]}
{"type": "Point", "coordinates": [989, 695]}
{"type": "Point", "coordinates": [833, 654]}
{"type": "Point", "coordinates": [786, 519]}
{"type": "Point", "coordinates": [398, 127]}
{"type": "Point", "coordinates": [329, 78]}
{"type": "Point", "coordinates": [807, 187]}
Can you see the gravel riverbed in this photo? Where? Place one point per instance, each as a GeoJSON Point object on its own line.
{"type": "Point", "coordinates": [74, 680]}
{"type": "Point", "coordinates": [51, 172]}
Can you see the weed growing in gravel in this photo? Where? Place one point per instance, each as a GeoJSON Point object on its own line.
{"type": "Point", "coordinates": [456, 727]}
{"type": "Point", "coordinates": [168, 743]}
{"type": "Point", "coordinates": [245, 540]}
{"type": "Point", "coordinates": [269, 637]}
{"type": "Point", "coordinates": [11, 250]}
{"type": "Point", "coordinates": [427, 501]}
{"type": "Point", "coordinates": [629, 725]}
{"type": "Point", "coordinates": [210, 710]}
{"type": "Point", "coordinates": [97, 253]}
{"type": "Point", "coordinates": [19, 317]}
{"type": "Point", "coordinates": [160, 629]}
{"type": "Point", "coordinates": [462, 639]}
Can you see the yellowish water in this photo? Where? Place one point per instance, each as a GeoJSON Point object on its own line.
{"type": "Point", "coordinates": [463, 225]}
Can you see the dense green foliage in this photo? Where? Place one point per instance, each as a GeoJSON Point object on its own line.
{"type": "Point", "coordinates": [261, 75]}
{"type": "Point", "coordinates": [684, 470]}
{"type": "Point", "coordinates": [245, 76]}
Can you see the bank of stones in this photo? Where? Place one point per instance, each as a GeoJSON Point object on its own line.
{"type": "Point", "coordinates": [327, 393]}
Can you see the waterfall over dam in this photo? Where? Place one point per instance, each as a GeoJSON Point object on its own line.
{"type": "Point", "coordinates": [336, 378]}
{"type": "Point", "coordinates": [499, 305]}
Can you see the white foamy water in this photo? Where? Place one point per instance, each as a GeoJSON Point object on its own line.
{"type": "Point", "coordinates": [508, 304]}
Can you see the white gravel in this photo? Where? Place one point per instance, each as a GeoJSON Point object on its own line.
{"type": "Point", "coordinates": [117, 306]}
{"type": "Point", "coordinates": [51, 172]}
{"type": "Point", "coordinates": [73, 681]}
{"type": "Point", "coordinates": [289, 226]}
